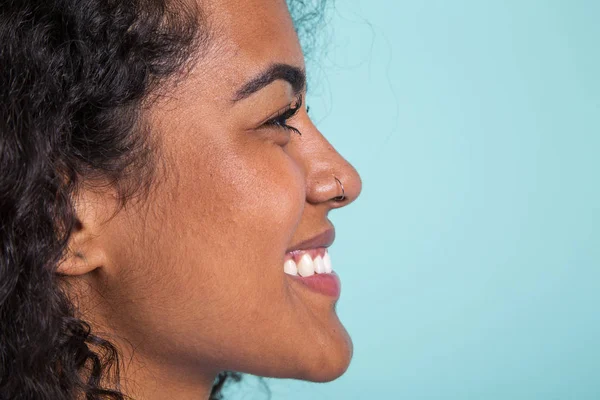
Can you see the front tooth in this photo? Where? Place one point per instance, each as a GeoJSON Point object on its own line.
{"type": "Point", "coordinates": [319, 265]}
{"type": "Point", "coordinates": [327, 262]}
{"type": "Point", "coordinates": [306, 266]}
{"type": "Point", "coordinates": [289, 267]}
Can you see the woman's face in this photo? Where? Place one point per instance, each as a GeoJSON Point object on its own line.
{"type": "Point", "coordinates": [193, 277]}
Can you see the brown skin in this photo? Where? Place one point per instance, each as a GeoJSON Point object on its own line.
{"type": "Point", "coordinates": [192, 277]}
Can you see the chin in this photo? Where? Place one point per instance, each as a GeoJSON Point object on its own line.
{"type": "Point", "coordinates": [329, 365]}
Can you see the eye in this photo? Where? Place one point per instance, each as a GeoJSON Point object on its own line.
{"type": "Point", "coordinates": [282, 118]}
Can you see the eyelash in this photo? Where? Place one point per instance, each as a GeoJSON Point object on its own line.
{"type": "Point", "coordinates": [280, 121]}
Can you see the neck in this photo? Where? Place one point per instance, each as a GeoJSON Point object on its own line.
{"type": "Point", "coordinates": [146, 379]}
{"type": "Point", "coordinates": [145, 374]}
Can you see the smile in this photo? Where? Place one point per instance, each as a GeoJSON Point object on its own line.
{"type": "Point", "coordinates": [312, 268]}
{"type": "Point", "coordinates": [307, 262]}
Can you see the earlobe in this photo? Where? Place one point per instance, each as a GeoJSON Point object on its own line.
{"type": "Point", "coordinates": [86, 250]}
{"type": "Point", "coordinates": [84, 254]}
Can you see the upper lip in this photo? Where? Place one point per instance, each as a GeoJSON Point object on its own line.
{"type": "Point", "coordinates": [324, 239]}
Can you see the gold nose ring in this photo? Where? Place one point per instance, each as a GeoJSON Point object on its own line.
{"type": "Point", "coordinates": [343, 195]}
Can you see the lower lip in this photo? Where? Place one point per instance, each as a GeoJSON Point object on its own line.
{"type": "Point", "coordinates": [327, 284]}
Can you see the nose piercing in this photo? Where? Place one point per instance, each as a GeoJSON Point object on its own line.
{"type": "Point", "coordinates": [343, 195]}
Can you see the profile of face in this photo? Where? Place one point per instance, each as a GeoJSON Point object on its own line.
{"type": "Point", "coordinates": [192, 277]}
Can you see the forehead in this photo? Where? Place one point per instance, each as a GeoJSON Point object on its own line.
{"type": "Point", "coordinates": [247, 36]}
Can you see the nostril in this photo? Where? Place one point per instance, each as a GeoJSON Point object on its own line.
{"type": "Point", "coordinates": [350, 186]}
{"type": "Point", "coordinates": [341, 197]}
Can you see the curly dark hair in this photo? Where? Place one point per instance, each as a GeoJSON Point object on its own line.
{"type": "Point", "coordinates": [73, 77]}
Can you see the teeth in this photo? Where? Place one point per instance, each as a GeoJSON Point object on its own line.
{"type": "Point", "coordinates": [327, 262]}
{"type": "Point", "coordinates": [306, 267]}
{"type": "Point", "coordinates": [289, 267]}
{"type": "Point", "coordinates": [319, 265]}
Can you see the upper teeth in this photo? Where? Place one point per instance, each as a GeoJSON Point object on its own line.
{"type": "Point", "coordinates": [307, 266]}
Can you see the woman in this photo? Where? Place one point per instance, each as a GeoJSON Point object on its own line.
{"type": "Point", "coordinates": [164, 201]}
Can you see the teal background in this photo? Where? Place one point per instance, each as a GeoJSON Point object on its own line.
{"type": "Point", "coordinates": [470, 265]}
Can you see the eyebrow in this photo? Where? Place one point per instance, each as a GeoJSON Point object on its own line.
{"type": "Point", "coordinates": [294, 75]}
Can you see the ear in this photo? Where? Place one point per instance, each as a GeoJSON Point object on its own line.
{"type": "Point", "coordinates": [85, 252]}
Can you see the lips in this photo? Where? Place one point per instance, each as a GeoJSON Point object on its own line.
{"type": "Point", "coordinates": [309, 263]}
{"type": "Point", "coordinates": [326, 284]}
{"type": "Point", "coordinates": [324, 239]}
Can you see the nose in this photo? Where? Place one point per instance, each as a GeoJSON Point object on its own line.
{"type": "Point", "coordinates": [330, 179]}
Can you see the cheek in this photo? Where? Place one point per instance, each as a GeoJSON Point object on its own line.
{"type": "Point", "coordinates": [212, 247]}
{"type": "Point", "coordinates": [234, 212]}
{"type": "Point", "coordinates": [254, 193]}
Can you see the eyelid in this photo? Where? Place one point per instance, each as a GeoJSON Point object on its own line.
{"type": "Point", "coordinates": [296, 105]}
{"type": "Point", "coordinates": [280, 120]}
